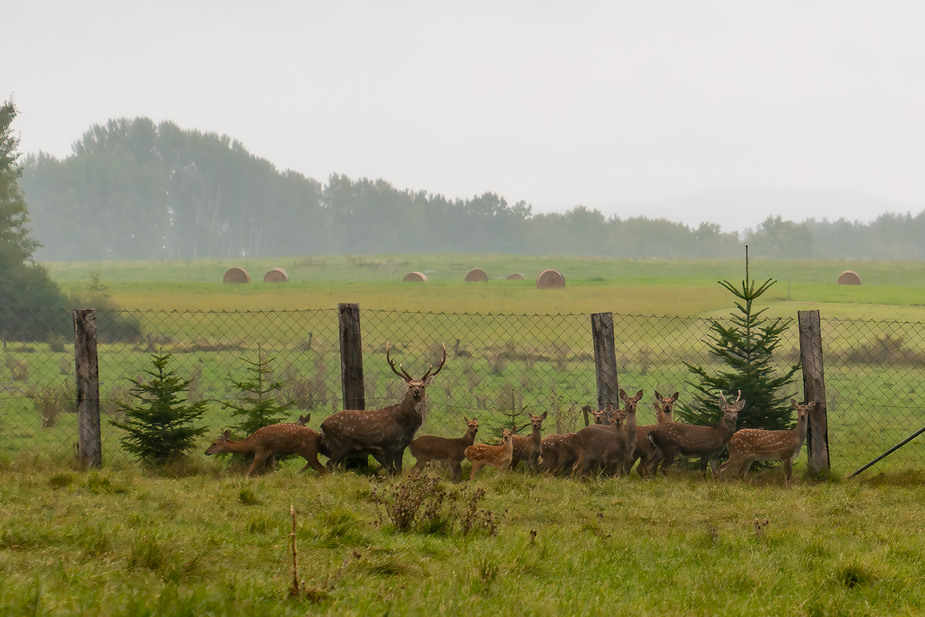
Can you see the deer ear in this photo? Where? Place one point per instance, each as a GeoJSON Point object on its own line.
{"type": "Point", "coordinates": [674, 396]}
{"type": "Point", "coordinates": [740, 405]}
{"type": "Point", "coordinates": [429, 380]}
{"type": "Point", "coordinates": [638, 395]}
{"type": "Point", "coordinates": [622, 395]}
{"type": "Point", "coordinates": [811, 405]}
{"type": "Point", "coordinates": [226, 435]}
{"type": "Point", "coordinates": [543, 417]}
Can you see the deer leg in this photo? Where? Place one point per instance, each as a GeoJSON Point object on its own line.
{"type": "Point", "coordinates": [475, 469]}
{"type": "Point", "coordinates": [455, 470]}
{"type": "Point", "coordinates": [259, 457]}
{"type": "Point", "coordinates": [788, 471]}
{"type": "Point", "coordinates": [313, 462]}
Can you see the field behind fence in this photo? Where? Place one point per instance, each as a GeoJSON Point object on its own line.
{"type": "Point", "coordinates": [496, 365]}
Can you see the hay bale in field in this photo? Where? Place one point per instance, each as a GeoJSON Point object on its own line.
{"type": "Point", "coordinates": [515, 276]}
{"type": "Point", "coordinates": [415, 277]}
{"type": "Point", "coordinates": [550, 279]}
{"type": "Point", "coordinates": [476, 275]}
{"type": "Point", "coordinates": [236, 275]}
{"type": "Point", "coordinates": [276, 275]}
{"type": "Point", "coordinates": [849, 277]}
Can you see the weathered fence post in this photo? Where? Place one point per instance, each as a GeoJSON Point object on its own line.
{"type": "Point", "coordinates": [89, 437]}
{"type": "Point", "coordinates": [817, 432]}
{"type": "Point", "coordinates": [351, 356]}
{"type": "Point", "coordinates": [605, 360]}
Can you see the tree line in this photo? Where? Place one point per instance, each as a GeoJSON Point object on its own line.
{"type": "Point", "coordinates": [133, 189]}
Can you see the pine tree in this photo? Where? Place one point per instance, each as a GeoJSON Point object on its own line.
{"type": "Point", "coordinates": [746, 346]}
{"type": "Point", "coordinates": [256, 404]}
{"type": "Point", "coordinates": [159, 424]}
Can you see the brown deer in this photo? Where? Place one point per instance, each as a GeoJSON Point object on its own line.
{"type": "Point", "coordinates": [645, 451]}
{"type": "Point", "coordinates": [754, 444]}
{"type": "Point", "coordinates": [429, 448]}
{"type": "Point", "coordinates": [529, 449]}
{"type": "Point", "coordinates": [608, 446]}
{"type": "Point", "coordinates": [384, 433]}
{"type": "Point", "coordinates": [271, 441]}
{"type": "Point", "coordinates": [559, 451]}
{"type": "Point", "coordinates": [482, 454]}
{"type": "Point", "coordinates": [707, 442]}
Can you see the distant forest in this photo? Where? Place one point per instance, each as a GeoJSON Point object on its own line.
{"type": "Point", "coordinates": [133, 189]}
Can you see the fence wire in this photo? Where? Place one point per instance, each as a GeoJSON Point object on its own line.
{"type": "Point", "coordinates": [498, 367]}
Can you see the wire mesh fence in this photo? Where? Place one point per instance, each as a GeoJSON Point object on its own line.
{"type": "Point", "coordinates": [498, 367]}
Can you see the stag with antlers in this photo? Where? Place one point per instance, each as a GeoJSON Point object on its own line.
{"type": "Point", "coordinates": [384, 433]}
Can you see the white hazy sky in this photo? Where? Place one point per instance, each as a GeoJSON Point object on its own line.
{"type": "Point", "coordinates": [725, 111]}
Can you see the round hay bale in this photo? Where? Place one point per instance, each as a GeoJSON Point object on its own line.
{"type": "Point", "coordinates": [550, 279]}
{"type": "Point", "coordinates": [476, 275]}
{"type": "Point", "coordinates": [415, 277]}
{"type": "Point", "coordinates": [276, 275]}
{"type": "Point", "coordinates": [849, 277]}
{"type": "Point", "coordinates": [515, 276]}
{"type": "Point", "coordinates": [236, 275]}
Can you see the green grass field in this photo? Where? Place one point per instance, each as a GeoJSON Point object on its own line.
{"type": "Point", "coordinates": [200, 539]}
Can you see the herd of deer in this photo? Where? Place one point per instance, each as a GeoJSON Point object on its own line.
{"type": "Point", "coordinates": [612, 445]}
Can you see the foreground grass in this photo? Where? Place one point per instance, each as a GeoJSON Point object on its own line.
{"type": "Point", "coordinates": [119, 541]}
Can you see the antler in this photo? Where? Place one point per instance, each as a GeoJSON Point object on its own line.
{"type": "Point", "coordinates": [439, 368]}
{"type": "Point", "coordinates": [404, 374]}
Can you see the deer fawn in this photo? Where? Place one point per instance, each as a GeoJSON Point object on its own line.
{"type": "Point", "coordinates": [708, 442]}
{"type": "Point", "coordinates": [384, 433]}
{"type": "Point", "coordinates": [753, 444]}
{"type": "Point", "coordinates": [273, 440]}
{"type": "Point", "coordinates": [482, 454]}
{"type": "Point", "coordinates": [608, 446]}
{"type": "Point", "coordinates": [529, 449]}
{"type": "Point", "coordinates": [645, 452]}
{"type": "Point", "coordinates": [428, 448]}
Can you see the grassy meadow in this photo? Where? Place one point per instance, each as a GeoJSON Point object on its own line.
{"type": "Point", "coordinates": [199, 539]}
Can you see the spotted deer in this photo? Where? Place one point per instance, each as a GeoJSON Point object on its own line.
{"type": "Point", "coordinates": [384, 433]}
{"type": "Point", "coordinates": [707, 442]}
{"type": "Point", "coordinates": [429, 448]}
{"type": "Point", "coordinates": [271, 441]}
{"type": "Point", "coordinates": [754, 444]}
{"type": "Point", "coordinates": [608, 446]}
{"type": "Point", "coordinates": [481, 454]}
{"type": "Point", "coordinates": [529, 449]}
{"type": "Point", "coordinates": [645, 452]}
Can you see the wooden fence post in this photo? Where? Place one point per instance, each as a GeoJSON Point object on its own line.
{"type": "Point", "coordinates": [817, 431]}
{"type": "Point", "coordinates": [89, 436]}
{"type": "Point", "coordinates": [605, 360]}
{"type": "Point", "coordinates": [351, 356]}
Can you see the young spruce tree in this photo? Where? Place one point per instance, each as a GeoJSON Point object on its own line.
{"type": "Point", "coordinates": [160, 423]}
{"type": "Point", "coordinates": [746, 346]}
{"type": "Point", "coordinates": [256, 405]}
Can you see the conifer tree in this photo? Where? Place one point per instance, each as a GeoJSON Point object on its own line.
{"type": "Point", "coordinates": [160, 423]}
{"type": "Point", "coordinates": [746, 345]}
{"type": "Point", "coordinates": [256, 404]}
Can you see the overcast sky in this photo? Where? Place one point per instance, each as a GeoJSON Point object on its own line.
{"type": "Point", "coordinates": [691, 110]}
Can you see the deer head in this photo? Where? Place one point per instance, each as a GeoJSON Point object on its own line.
{"type": "Point", "coordinates": [415, 386]}
{"type": "Point", "coordinates": [731, 410]}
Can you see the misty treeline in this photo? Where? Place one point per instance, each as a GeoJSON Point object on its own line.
{"type": "Point", "coordinates": [133, 189]}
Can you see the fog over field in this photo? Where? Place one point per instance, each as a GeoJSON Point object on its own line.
{"type": "Point", "coordinates": [725, 112]}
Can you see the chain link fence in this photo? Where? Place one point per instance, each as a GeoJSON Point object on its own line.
{"type": "Point", "coordinates": [497, 368]}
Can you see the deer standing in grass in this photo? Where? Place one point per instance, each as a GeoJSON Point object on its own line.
{"type": "Point", "coordinates": [482, 454]}
{"type": "Point", "coordinates": [707, 442]}
{"type": "Point", "coordinates": [429, 448]}
{"type": "Point", "coordinates": [529, 449]}
{"type": "Point", "coordinates": [611, 447]}
{"type": "Point", "coordinates": [271, 441]}
{"type": "Point", "coordinates": [645, 451]}
{"type": "Point", "coordinates": [384, 433]}
{"type": "Point", "coordinates": [558, 451]}
{"type": "Point", "coordinates": [754, 444]}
